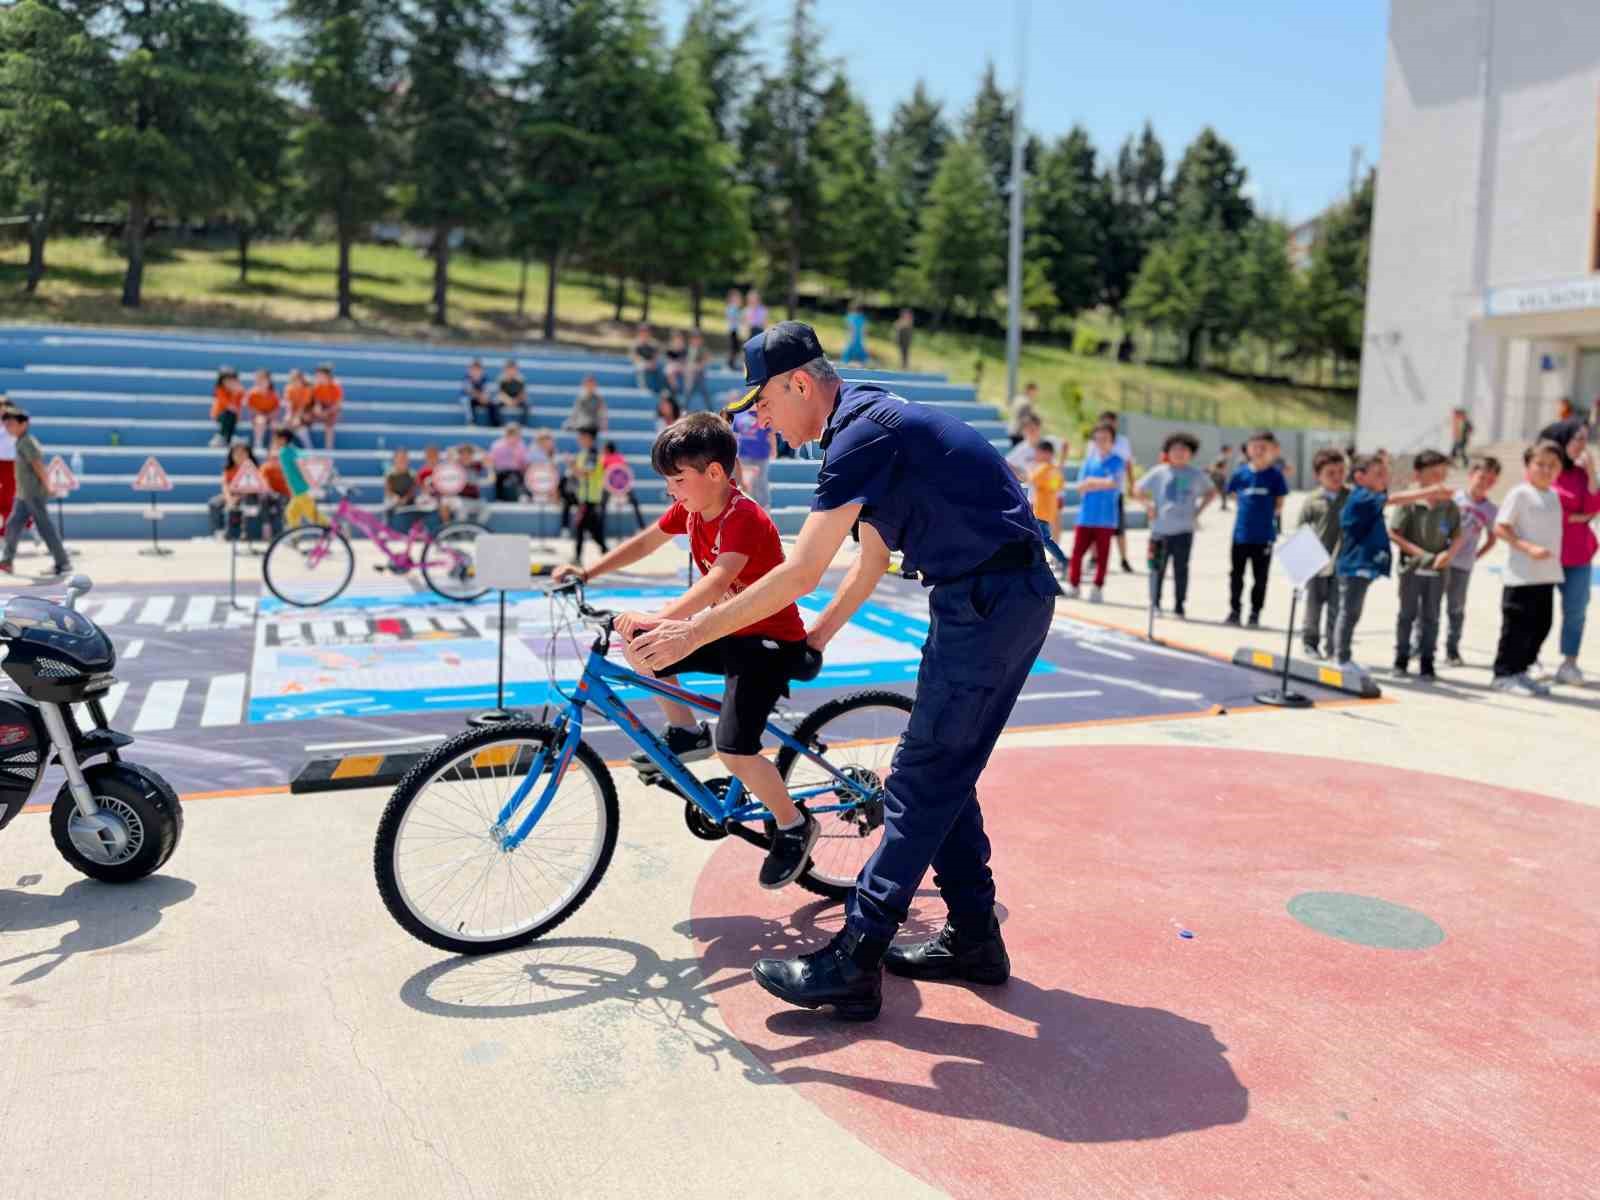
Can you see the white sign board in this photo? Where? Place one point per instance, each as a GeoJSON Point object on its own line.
{"type": "Point", "coordinates": [1302, 556]}
{"type": "Point", "coordinates": [315, 471]}
{"type": "Point", "coordinates": [58, 477]}
{"type": "Point", "coordinates": [1563, 296]}
{"type": "Point", "coordinates": [449, 479]}
{"type": "Point", "coordinates": [248, 480]}
{"type": "Point", "coordinates": [151, 477]}
{"type": "Point", "coordinates": [500, 560]}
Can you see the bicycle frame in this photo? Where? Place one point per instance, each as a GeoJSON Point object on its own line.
{"type": "Point", "coordinates": [349, 513]}
{"type": "Point", "coordinates": [595, 690]}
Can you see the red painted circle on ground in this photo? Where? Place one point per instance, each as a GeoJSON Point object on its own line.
{"type": "Point", "coordinates": [1259, 1058]}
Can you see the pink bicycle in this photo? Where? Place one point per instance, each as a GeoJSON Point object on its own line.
{"type": "Point", "coordinates": [313, 564]}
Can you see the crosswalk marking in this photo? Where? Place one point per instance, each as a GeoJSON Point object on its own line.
{"type": "Point", "coordinates": [197, 610]}
{"type": "Point", "coordinates": [131, 650]}
{"type": "Point", "coordinates": [156, 610]}
{"type": "Point", "coordinates": [224, 700]}
{"type": "Point", "coordinates": [113, 610]}
{"type": "Point", "coordinates": [161, 705]}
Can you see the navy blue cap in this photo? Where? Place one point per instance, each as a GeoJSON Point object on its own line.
{"type": "Point", "coordinates": [773, 351]}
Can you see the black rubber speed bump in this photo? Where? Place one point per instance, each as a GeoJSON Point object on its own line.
{"type": "Point", "coordinates": [1357, 682]}
{"type": "Point", "coordinates": [349, 771]}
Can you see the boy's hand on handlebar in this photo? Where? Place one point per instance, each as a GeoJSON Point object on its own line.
{"type": "Point", "coordinates": [568, 571]}
{"type": "Point", "coordinates": [630, 623]}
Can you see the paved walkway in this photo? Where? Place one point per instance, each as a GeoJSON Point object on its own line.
{"type": "Point", "coordinates": [250, 1022]}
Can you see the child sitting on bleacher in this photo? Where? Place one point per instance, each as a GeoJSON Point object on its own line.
{"type": "Point", "coordinates": [327, 397]}
{"type": "Point", "coordinates": [299, 403]}
{"type": "Point", "coordinates": [263, 401]}
{"type": "Point", "coordinates": [226, 399]}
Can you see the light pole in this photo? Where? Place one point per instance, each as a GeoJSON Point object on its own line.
{"type": "Point", "coordinates": [1014, 258]}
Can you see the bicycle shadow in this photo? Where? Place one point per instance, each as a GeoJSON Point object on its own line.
{"type": "Point", "coordinates": [107, 916]}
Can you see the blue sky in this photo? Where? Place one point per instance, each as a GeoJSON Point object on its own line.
{"type": "Point", "coordinates": [1293, 84]}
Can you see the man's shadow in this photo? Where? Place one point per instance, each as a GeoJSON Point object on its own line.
{"type": "Point", "coordinates": [1092, 1070]}
{"type": "Point", "coordinates": [102, 915]}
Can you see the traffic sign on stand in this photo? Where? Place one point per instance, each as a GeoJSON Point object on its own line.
{"type": "Point", "coordinates": [619, 479]}
{"type": "Point", "coordinates": [248, 480]}
{"type": "Point", "coordinates": [449, 479]}
{"type": "Point", "coordinates": [316, 470]}
{"type": "Point", "coordinates": [58, 477]}
{"type": "Point", "coordinates": [151, 478]}
{"type": "Point", "coordinates": [542, 480]}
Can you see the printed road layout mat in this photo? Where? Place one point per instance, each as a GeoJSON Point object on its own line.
{"type": "Point", "coordinates": [260, 688]}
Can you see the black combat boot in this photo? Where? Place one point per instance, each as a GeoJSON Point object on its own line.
{"type": "Point", "coordinates": [950, 955]}
{"type": "Point", "coordinates": [845, 973]}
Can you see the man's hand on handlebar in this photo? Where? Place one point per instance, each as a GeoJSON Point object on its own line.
{"type": "Point", "coordinates": [630, 623]}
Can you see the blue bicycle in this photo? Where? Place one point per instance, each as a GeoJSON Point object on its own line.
{"type": "Point", "coordinates": [500, 834]}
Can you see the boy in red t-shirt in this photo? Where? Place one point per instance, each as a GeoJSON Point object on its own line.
{"type": "Point", "coordinates": [734, 543]}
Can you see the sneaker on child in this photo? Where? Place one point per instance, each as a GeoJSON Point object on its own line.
{"type": "Point", "coordinates": [1568, 672]}
{"type": "Point", "coordinates": [790, 851]}
{"type": "Point", "coordinates": [688, 745]}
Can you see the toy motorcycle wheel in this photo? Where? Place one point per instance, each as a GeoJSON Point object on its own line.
{"type": "Point", "coordinates": [134, 832]}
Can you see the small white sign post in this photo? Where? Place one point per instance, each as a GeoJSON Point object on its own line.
{"type": "Point", "coordinates": [151, 478]}
{"type": "Point", "coordinates": [500, 560]}
{"type": "Point", "coordinates": [61, 483]}
{"type": "Point", "coordinates": [246, 481]}
{"type": "Point", "coordinates": [543, 482]}
{"type": "Point", "coordinates": [1300, 558]}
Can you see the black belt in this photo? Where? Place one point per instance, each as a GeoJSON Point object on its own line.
{"type": "Point", "coordinates": [1013, 556]}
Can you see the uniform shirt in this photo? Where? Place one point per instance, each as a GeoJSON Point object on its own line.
{"type": "Point", "coordinates": [928, 482]}
{"type": "Point", "coordinates": [1255, 522]}
{"type": "Point", "coordinates": [299, 398]}
{"type": "Point", "coordinates": [1322, 511]}
{"type": "Point", "coordinates": [272, 472]}
{"type": "Point", "coordinates": [328, 396]}
{"type": "Point", "coordinates": [1364, 551]}
{"type": "Point", "coordinates": [1476, 516]}
{"type": "Point", "coordinates": [1098, 509]}
{"type": "Point", "coordinates": [263, 401]}
{"type": "Point", "coordinates": [743, 527]}
{"type": "Point", "coordinates": [588, 477]}
{"type": "Point", "coordinates": [1535, 516]}
{"type": "Point", "coordinates": [1432, 528]}
{"type": "Point", "coordinates": [224, 399]}
{"type": "Point", "coordinates": [1177, 492]}
{"type": "Point", "coordinates": [1046, 482]}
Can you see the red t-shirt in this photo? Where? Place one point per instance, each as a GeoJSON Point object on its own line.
{"type": "Point", "coordinates": [743, 528]}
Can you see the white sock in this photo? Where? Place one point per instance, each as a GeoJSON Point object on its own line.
{"type": "Point", "coordinates": [799, 820]}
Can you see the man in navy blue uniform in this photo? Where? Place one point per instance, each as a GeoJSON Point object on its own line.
{"type": "Point", "coordinates": [927, 484]}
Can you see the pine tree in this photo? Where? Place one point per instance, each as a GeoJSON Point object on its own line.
{"type": "Point", "coordinates": [989, 123]}
{"type": "Point", "coordinates": [963, 228]}
{"type": "Point", "coordinates": [1138, 215]}
{"type": "Point", "coordinates": [1335, 296]}
{"type": "Point", "coordinates": [913, 148]}
{"type": "Point", "coordinates": [344, 63]}
{"type": "Point", "coordinates": [714, 50]}
{"type": "Point", "coordinates": [859, 225]}
{"type": "Point", "coordinates": [1069, 201]}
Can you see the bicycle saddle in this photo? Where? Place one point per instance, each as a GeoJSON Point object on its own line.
{"type": "Point", "coordinates": [809, 667]}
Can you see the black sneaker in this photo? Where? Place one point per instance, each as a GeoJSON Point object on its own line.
{"type": "Point", "coordinates": [1401, 666]}
{"type": "Point", "coordinates": [689, 745]}
{"type": "Point", "coordinates": [1233, 619]}
{"type": "Point", "coordinates": [1255, 620]}
{"type": "Point", "coordinates": [1180, 614]}
{"type": "Point", "coordinates": [791, 850]}
{"type": "Point", "coordinates": [1425, 670]}
{"type": "Point", "coordinates": [1453, 659]}
{"type": "Point", "coordinates": [1127, 566]}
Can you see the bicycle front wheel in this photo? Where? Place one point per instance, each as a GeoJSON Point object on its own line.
{"type": "Point", "coordinates": [448, 865]}
{"type": "Point", "coordinates": [449, 561]}
{"type": "Point", "coordinates": [308, 565]}
{"type": "Point", "coordinates": [859, 733]}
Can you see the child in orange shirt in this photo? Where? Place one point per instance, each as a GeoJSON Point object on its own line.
{"type": "Point", "coordinates": [1045, 482]}
{"type": "Point", "coordinates": [226, 398]}
{"type": "Point", "coordinates": [326, 396]}
{"type": "Point", "coordinates": [298, 401]}
{"type": "Point", "coordinates": [263, 402]}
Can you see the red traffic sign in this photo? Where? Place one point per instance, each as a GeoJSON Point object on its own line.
{"type": "Point", "coordinates": [58, 477]}
{"type": "Point", "coordinates": [449, 479]}
{"type": "Point", "coordinates": [151, 478]}
{"type": "Point", "coordinates": [247, 480]}
{"type": "Point", "coordinates": [619, 479]}
{"type": "Point", "coordinates": [316, 470]}
{"type": "Point", "coordinates": [542, 480]}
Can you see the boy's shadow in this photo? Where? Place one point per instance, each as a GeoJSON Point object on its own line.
{"type": "Point", "coordinates": [1092, 1070]}
{"type": "Point", "coordinates": [104, 916]}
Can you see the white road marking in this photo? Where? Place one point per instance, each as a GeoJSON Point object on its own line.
{"type": "Point", "coordinates": [224, 700]}
{"type": "Point", "coordinates": [161, 705]}
{"type": "Point", "coordinates": [404, 741]}
{"type": "Point", "coordinates": [1148, 688]}
{"type": "Point", "coordinates": [156, 610]}
{"type": "Point", "coordinates": [113, 610]}
{"type": "Point", "coordinates": [1094, 649]}
{"type": "Point", "coordinates": [131, 650]}
{"type": "Point", "coordinates": [197, 610]}
{"type": "Point", "coordinates": [1060, 695]}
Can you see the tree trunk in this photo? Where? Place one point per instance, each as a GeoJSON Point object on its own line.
{"type": "Point", "coordinates": [522, 287]}
{"type": "Point", "coordinates": [622, 296]}
{"type": "Point", "coordinates": [441, 275]}
{"type": "Point", "coordinates": [244, 254]}
{"type": "Point", "coordinates": [696, 294]}
{"type": "Point", "coordinates": [1191, 351]}
{"type": "Point", "coordinates": [644, 310]}
{"type": "Point", "coordinates": [38, 228]}
{"type": "Point", "coordinates": [133, 278]}
{"type": "Point", "coordinates": [552, 264]}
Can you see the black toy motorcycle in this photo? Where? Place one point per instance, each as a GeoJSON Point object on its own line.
{"type": "Point", "coordinates": [115, 821]}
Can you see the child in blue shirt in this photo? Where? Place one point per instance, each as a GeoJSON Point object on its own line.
{"type": "Point", "coordinates": [1261, 487]}
{"type": "Point", "coordinates": [1099, 482]}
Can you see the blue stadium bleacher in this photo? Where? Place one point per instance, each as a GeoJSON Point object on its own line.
{"type": "Point", "coordinates": [116, 398]}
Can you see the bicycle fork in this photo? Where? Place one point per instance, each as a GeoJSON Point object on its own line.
{"type": "Point", "coordinates": [509, 842]}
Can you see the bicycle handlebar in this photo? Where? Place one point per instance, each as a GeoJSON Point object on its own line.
{"type": "Point", "coordinates": [574, 587]}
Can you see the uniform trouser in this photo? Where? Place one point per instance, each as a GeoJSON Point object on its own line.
{"type": "Point", "coordinates": [1173, 548]}
{"type": "Point", "coordinates": [983, 636]}
{"type": "Point", "coordinates": [1526, 613]}
{"type": "Point", "coordinates": [23, 508]}
{"type": "Point", "coordinates": [1455, 608]}
{"type": "Point", "coordinates": [1259, 559]}
{"type": "Point", "coordinates": [1420, 596]}
{"type": "Point", "coordinates": [1352, 599]}
{"type": "Point", "coordinates": [1322, 612]}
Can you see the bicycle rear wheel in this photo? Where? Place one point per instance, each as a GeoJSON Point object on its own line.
{"type": "Point", "coordinates": [860, 733]}
{"type": "Point", "coordinates": [449, 561]}
{"type": "Point", "coordinates": [308, 565]}
{"type": "Point", "coordinates": [440, 858]}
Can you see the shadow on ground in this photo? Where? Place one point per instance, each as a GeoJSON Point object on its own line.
{"type": "Point", "coordinates": [101, 916]}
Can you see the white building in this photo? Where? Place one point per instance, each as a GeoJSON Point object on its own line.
{"type": "Point", "coordinates": [1484, 284]}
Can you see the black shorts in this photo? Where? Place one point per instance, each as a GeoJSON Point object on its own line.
{"type": "Point", "coordinates": [758, 671]}
{"type": "Point", "coordinates": [1122, 519]}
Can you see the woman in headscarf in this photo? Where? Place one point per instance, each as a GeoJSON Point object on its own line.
{"type": "Point", "coordinates": [1580, 503]}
